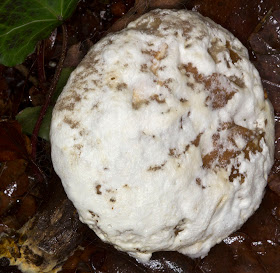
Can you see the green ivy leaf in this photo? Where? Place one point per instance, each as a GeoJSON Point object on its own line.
{"type": "Point", "coordinates": [24, 22]}
{"type": "Point", "coordinates": [65, 73]}
{"type": "Point", "coordinates": [28, 117]}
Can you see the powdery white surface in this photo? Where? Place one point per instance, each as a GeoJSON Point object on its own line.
{"type": "Point", "coordinates": [162, 137]}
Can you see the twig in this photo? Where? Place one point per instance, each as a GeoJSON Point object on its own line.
{"type": "Point", "coordinates": [39, 173]}
{"type": "Point", "coordinates": [140, 7]}
{"type": "Point", "coordinates": [26, 73]}
{"type": "Point", "coordinates": [263, 20]}
{"type": "Point", "coordinates": [50, 93]}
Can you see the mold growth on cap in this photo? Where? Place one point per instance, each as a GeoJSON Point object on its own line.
{"type": "Point", "coordinates": [162, 137]}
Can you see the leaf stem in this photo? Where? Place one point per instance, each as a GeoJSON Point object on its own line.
{"type": "Point", "coordinates": [50, 93]}
{"type": "Point", "coordinates": [37, 171]}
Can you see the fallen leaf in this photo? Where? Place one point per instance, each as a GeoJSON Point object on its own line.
{"type": "Point", "coordinates": [28, 118]}
{"type": "Point", "coordinates": [167, 4]}
{"type": "Point", "coordinates": [263, 227]}
{"type": "Point", "coordinates": [274, 178]}
{"type": "Point", "coordinates": [266, 46]}
{"type": "Point", "coordinates": [37, 97]}
{"type": "Point", "coordinates": [277, 138]}
{"type": "Point", "coordinates": [13, 144]}
{"type": "Point", "coordinates": [238, 16]}
{"type": "Point", "coordinates": [233, 253]}
{"type": "Point", "coordinates": [10, 172]}
{"type": "Point", "coordinates": [74, 56]}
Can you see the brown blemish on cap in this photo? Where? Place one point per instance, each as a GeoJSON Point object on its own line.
{"type": "Point", "coordinates": [254, 145]}
{"type": "Point", "coordinates": [235, 174]}
{"type": "Point", "coordinates": [183, 100]}
{"type": "Point", "coordinates": [181, 122]}
{"type": "Point", "coordinates": [98, 187]}
{"type": "Point", "coordinates": [158, 56]}
{"type": "Point", "coordinates": [95, 106]}
{"type": "Point", "coordinates": [233, 55]}
{"type": "Point", "coordinates": [187, 28]}
{"type": "Point", "coordinates": [83, 132]}
{"type": "Point", "coordinates": [93, 214]}
{"type": "Point", "coordinates": [157, 98]}
{"type": "Point", "coordinates": [161, 54]}
{"type": "Point", "coordinates": [75, 96]}
{"type": "Point", "coordinates": [173, 152]}
{"type": "Point", "coordinates": [197, 140]}
{"type": "Point", "coordinates": [96, 83]}
{"type": "Point", "coordinates": [251, 137]}
{"type": "Point", "coordinates": [186, 148]}
{"type": "Point", "coordinates": [177, 230]}
{"type": "Point", "coordinates": [218, 95]}
{"type": "Point", "coordinates": [220, 157]}
{"type": "Point", "coordinates": [237, 81]}
{"type": "Point", "coordinates": [144, 68]}
{"type": "Point", "coordinates": [78, 146]}
{"type": "Point", "coordinates": [137, 101]}
{"type": "Point", "coordinates": [179, 227]}
{"type": "Point", "coordinates": [121, 86]}
{"type": "Point", "coordinates": [62, 105]}
{"type": "Point", "coordinates": [156, 167]}
{"type": "Point", "coordinates": [216, 48]}
{"type": "Point", "coordinates": [198, 182]}
{"type": "Point", "coordinates": [68, 102]}
{"type": "Point", "coordinates": [166, 84]}
{"type": "Point", "coordinates": [73, 124]}
{"type": "Point", "coordinates": [149, 52]}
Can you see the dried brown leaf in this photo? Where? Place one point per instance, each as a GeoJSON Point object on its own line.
{"type": "Point", "coordinates": [13, 144]}
{"type": "Point", "coordinates": [74, 56]}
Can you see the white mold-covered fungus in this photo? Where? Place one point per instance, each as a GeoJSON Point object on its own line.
{"type": "Point", "coordinates": [162, 137]}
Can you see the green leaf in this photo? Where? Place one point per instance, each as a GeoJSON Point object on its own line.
{"type": "Point", "coordinates": [65, 73]}
{"type": "Point", "coordinates": [28, 117]}
{"type": "Point", "coordinates": [24, 22]}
